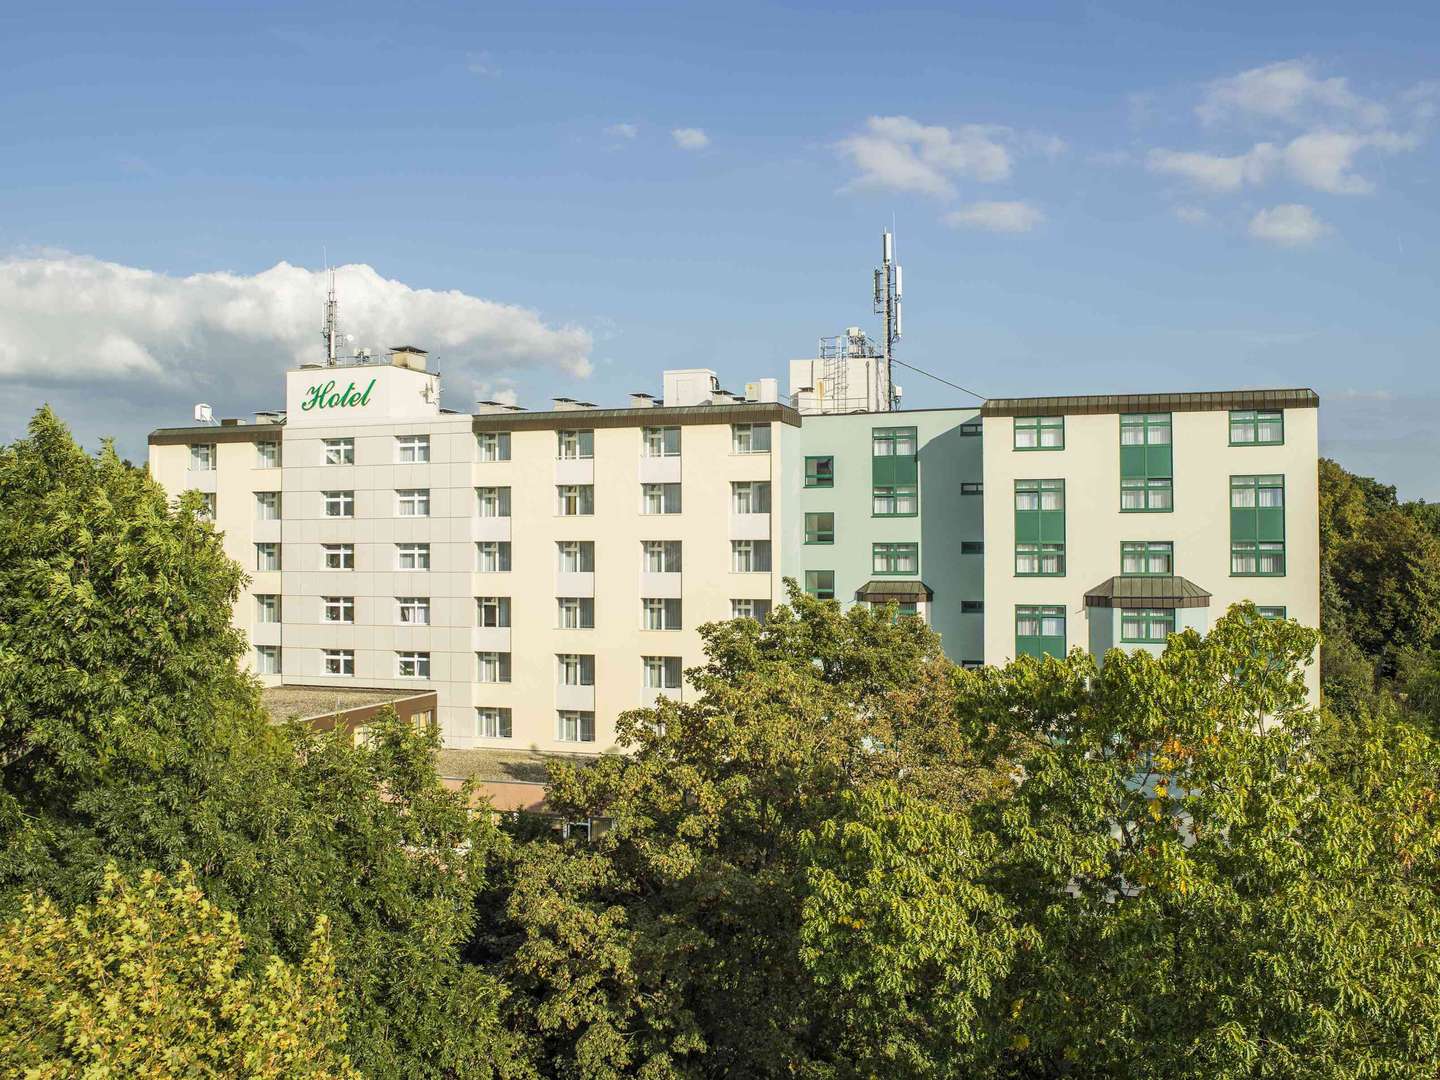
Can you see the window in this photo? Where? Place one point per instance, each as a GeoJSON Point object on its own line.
{"type": "Point", "coordinates": [492, 667]}
{"type": "Point", "coordinates": [750, 438]}
{"type": "Point", "coordinates": [972, 488]}
{"type": "Point", "coordinates": [575, 499]}
{"type": "Point", "coordinates": [267, 455]}
{"type": "Point", "coordinates": [820, 584]}
{"type": "Point", "coordinates": [493, 445]}
{"type": "Point", "coordinates": [893, 442]}
{"type": "Point", "coordinates": [412, 556]}
{"type": "Point", "coordinates": [1271, 612]}
{"type": "Point", "coordinates": [660, 498]}
{"type": "Point", "coordinates": [1146, 464]}
{"type": "Point", "coordinates": [492, 611]}
{"type": "Point", "coordinates": [1039, 630]}
{"type": "Point", "coordinates": [493, 556]}
{"type": "Point", "coordinates": [1042, 560]}
{"type": "Point", "coordinates": [339, 661]}
{"type": "Point", "coordinates": [267, 608]}
{"type": "Point", "coordinates": [207, 506]}
{"type": "Point", "coordinates": [820, 471]}
{"type": "Point", "coordinates": [1148, 557]}
{"type": "Point", "coordinates": [267, 505]}
{"type": "Point", "coordinates": [571, 726]}
{"type": "Point", "coordinates": [972, 547]}
{"type": "Point", "coordinates": [576, 612]}
{"type": "Point", "coordinates": [972, 427]}
{"type": "Point", "coordinates": [339, 451]}
{"type": "Point", "coordinates": [820, 528]}
{"type": "Point", "coordinates": [1257, 427]}
{"type": "Point", "coordinates": [661, 672]}
{"type": "Point", "coordinates": [575, 669]}
{"type": "Point", "coordinates": [494, 502]}
{"type": "Point", "coordinates": [1039, 433]}
{"type": "Point", "coordinates": [750, 496]}
{"type": "Point", "coordinates": [972, 607]}
{"type": "Point", "coordinates": [339, 556]}
{"type": "Point", "coordinates": [339, 504]}
{"type": "Point", "coordinates": [267, 556]}
{"type": "Point", "coordinates": [901, 609]}
{"type": "Point", "coordinates": [890, 559]}
{"type": "Point", "coordinates": [576, 556]}
{"type": "Point", "coordinates": [1153, 625]}
{"type": "Point", "coordinates": [662, 441]}
{"type": "Point", "coordinates": [413, 610]}
{"type": "Point", "coordinates": [893, 501]}
{"type": "Point", "coordinates": [267, 659]}
{"type": "Point", "coordinates": [412, 448]}
{"type": "Point", "coordinates": [1257, 526]}
{"type": "Point", "coordinates": [750, 556]}
{"type": "Point", "coordinates": [575, 445]}
{"type": "Point", "coordinates": [412, 665]}
{"type": "Point", "coordinates": [1040, 527]}
{"type": "Point", "coordinates": [202, 457]}
{"type": "Point", "coordinates": [661, 556]}
{"type": "Point", "coordinates": [1152, 494]}
{"type": "Point", "coordinates": [660, 614]}
{"type": "Point", "coordinates": [759, 610]}
{"type": "Point", "coordinates": [339, 609]}
{"type": "Point", "coordinates": [413, 502]}
{"type": "Point", "coordinates": [492, 723]}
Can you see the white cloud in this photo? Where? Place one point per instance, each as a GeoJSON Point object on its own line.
{"type": "Point", "coordinates": [896, 153]}
{"type": "Point", "coordinates": [68, 319]}
{"type": "Point", "coordinates": [479, 63]}
{"type": "Point", "coordinates": [1287, 91]}
{"type": "Point", "coordinates": [1008, 217]}
{"type": "Point", "coordinates": [623, 131]}
{"type": "Point", "coordinates": [690, 138]}
{"type": "Point", "coordinates": [1193, 215]}
{"type": "Point", "coordinates": [1323, 160]}
{"type": "Point", "coordinates": [1290, 225]}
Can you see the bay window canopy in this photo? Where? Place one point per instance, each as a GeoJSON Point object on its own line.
{"type": "Point", "coordinates": [1147, 592]}
{"type": "Point", "coordinates": [895, 592]}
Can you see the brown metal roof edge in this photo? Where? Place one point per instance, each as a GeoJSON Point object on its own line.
{"type": "Point", "coordinates": [646, 416]}
{"type": "Point", "coordinates": [1180, 401]}
{"type": "Point", "coordinates": [904, 588]}
{"type": "Point", "coordinates": [230, 433]}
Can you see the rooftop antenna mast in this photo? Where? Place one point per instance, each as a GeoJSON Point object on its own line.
{"type": "Point", "coordinates": [887, 304]}
{"type": "Point", "coordinates": [331, 330]}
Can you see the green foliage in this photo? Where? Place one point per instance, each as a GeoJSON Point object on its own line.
{"type": "Point", "coordinates": [148, 982]}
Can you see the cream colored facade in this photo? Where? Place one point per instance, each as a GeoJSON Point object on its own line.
{"type": "Point", "coordinates": [1198, 525]}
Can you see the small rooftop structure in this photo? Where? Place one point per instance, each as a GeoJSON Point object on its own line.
{"type": "Point", "coordinates": [1145, 592]}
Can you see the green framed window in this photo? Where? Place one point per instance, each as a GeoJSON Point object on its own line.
{"type": "Point", "coordinates": [1271, 612]}
{"type": "Point", "coordinates": [900, 609]}
{"type": "Point", "coordinates": [1146, 626]}
{"type": "Point", "coordinates": [1147, 557]}
{"type": "Point", "coordinates": [1146, 463]}
{"type": "Point", "coordinates": [1040, 528]}
{"type": "Point", "coordinates": [894, 464]}
{"type": "Point", "coordinates": [972, 428]}
{"type": "Point", "coordinates": [1257, 427]}
{"type": "Point", "coordinates": [1257, 526]}
{"type": "Point", "coordinates": [1039, 630]}
{"type": "Point", "coordinates": [891, 560]}
{"type": "Point", "coordinates": [820, 584]}
{"type": "Point", "coordinates": [1040, 433]}
{"type": "Point", "coordinates": [895, 501]}
{"type": "Point", "coordinates": [893, 442]}
{"type": "Point", "coordinates": [1039, 560]}
{"type": "Point", "coordinates": [820, 471]}
{"type": "Point", "coordinates": [820, 528]}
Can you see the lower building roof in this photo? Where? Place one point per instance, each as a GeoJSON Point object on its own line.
{"type": "Point", "coordinates": [309, 702]}
{"type": "Point", "coordinates": [885, 592]}
{"type": "Point", "coordinates": [1144, 592]}
{"type": "Point", "coordinates": [1138, 403]}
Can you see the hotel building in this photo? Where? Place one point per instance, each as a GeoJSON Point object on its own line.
{"type": "Point", "coordinates": [542, 572]}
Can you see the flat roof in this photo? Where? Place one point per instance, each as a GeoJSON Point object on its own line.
{"type": "Point", "coordinates": [307, 702]}
{"type": "Point", "coordinates": [501, 766]}
{"type": "Point", "coordinates": [1204, 401]}
{"type": "Point", "coordinates": [639, 416]}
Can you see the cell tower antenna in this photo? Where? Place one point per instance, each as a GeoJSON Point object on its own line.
{"type": "Point", "coordinates": [331, 330]}
{"type": "Point", "coordinates": [887, 305]}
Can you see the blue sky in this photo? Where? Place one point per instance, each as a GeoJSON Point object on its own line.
{"type": "Point", "coordinates": [565, 199]}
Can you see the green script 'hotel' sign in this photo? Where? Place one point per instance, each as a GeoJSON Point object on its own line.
{"type": "Point", "coordinates": [325, 397]}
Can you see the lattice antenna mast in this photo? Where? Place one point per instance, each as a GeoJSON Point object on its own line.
{"type": "Point", "coordinates": [887, 305]}
{"type": "Point", "coordinates": [331, 330]}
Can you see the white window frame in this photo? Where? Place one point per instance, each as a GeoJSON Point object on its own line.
{"type": "Point", "coordinates": [412, 449]}
{"type": "Point", "coordinates": [267, 506]}
{"type": "Point", "coordinates": [759, 610]}
{"type": "Point", "coordinates": [412, 610]}
{"type": "Point", "coordinates": [339, 504]}
{"type": "Point", "coordinates": [492, 501]}
{"type": "Point", "coordinates": [338, 609]}
{"type": "Point", "coordinates": [750, 496]}
{"type": "Point", "coordinates": [493, 445]}
{"type": "Point", "coordinates": [751, 556]}
{"type": "Point", "coordinates": [656, 612]}
{"type": "Point", "coordinates": [202, 457]}
{"type": "Point", "coordinates": [565, 605]}
{"type": "Point", "coordinates": [492, 556]}
{"type": "Point", "coordinates": [654, 499]}
{"type": "Point", "coordinates": [338, 662]}
{"type": "Point", "coordinates": [745, 438]}
{"type": "Point", "coordinates": [418, 556]}
{"type": "Point", "coordinates": [575, 669]}
{"type": "Point", "coordinates": [267, 454]}
{"type": "Point", "coordinates": [268, 660]}
{"type": "Point", "coordinates": [575, 556]}
{"type": "Point", "coordinates": [575, 444]}
{"type": "Point", "coordinates": [492, 667]}
{"type": "Point", "coordinates": [418, 664]}
{"type": "Point", "coordinates": [655, 442]}
{"type": "Point", "coordinates": [344, 555]}
{"type": "Point", "coordinates": [494, 722]}
{"type": "Point", "coordinates": [262, 563]}
{"type": "Point", "coordinates": [412, 502]}
{"type": "Point", "coordinates": [656, 556]}
{"type": "Point", "coordinates": [574, 725]}
{"type": "Point", "coordinates": [579, 496]}
{"type": "Point", "coordinates": [657, 672]}
{"type": "Point", "coordinates": [268, 608]}
{"type": "Point", "coordinates": [339, 451]}
{"type": "Point", "coordinates": [501, 607]}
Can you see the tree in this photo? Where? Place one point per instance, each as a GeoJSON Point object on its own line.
{"type": "Point", "coordinates": [128, 734]}
{"type": "Point", "coordinates": [148, 982]}
{"type": "Point", "coordinates": [1389, 580]}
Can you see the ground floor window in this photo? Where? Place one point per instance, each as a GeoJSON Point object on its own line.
{"type": "Point", "coordinates": [820, 584]}
{"type": "Point", "coordinates": [575, 726]}
{"type": "Point", "coordinates": [492, 723]}
{"type": "Point", "coordinates": [1146, 625]}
